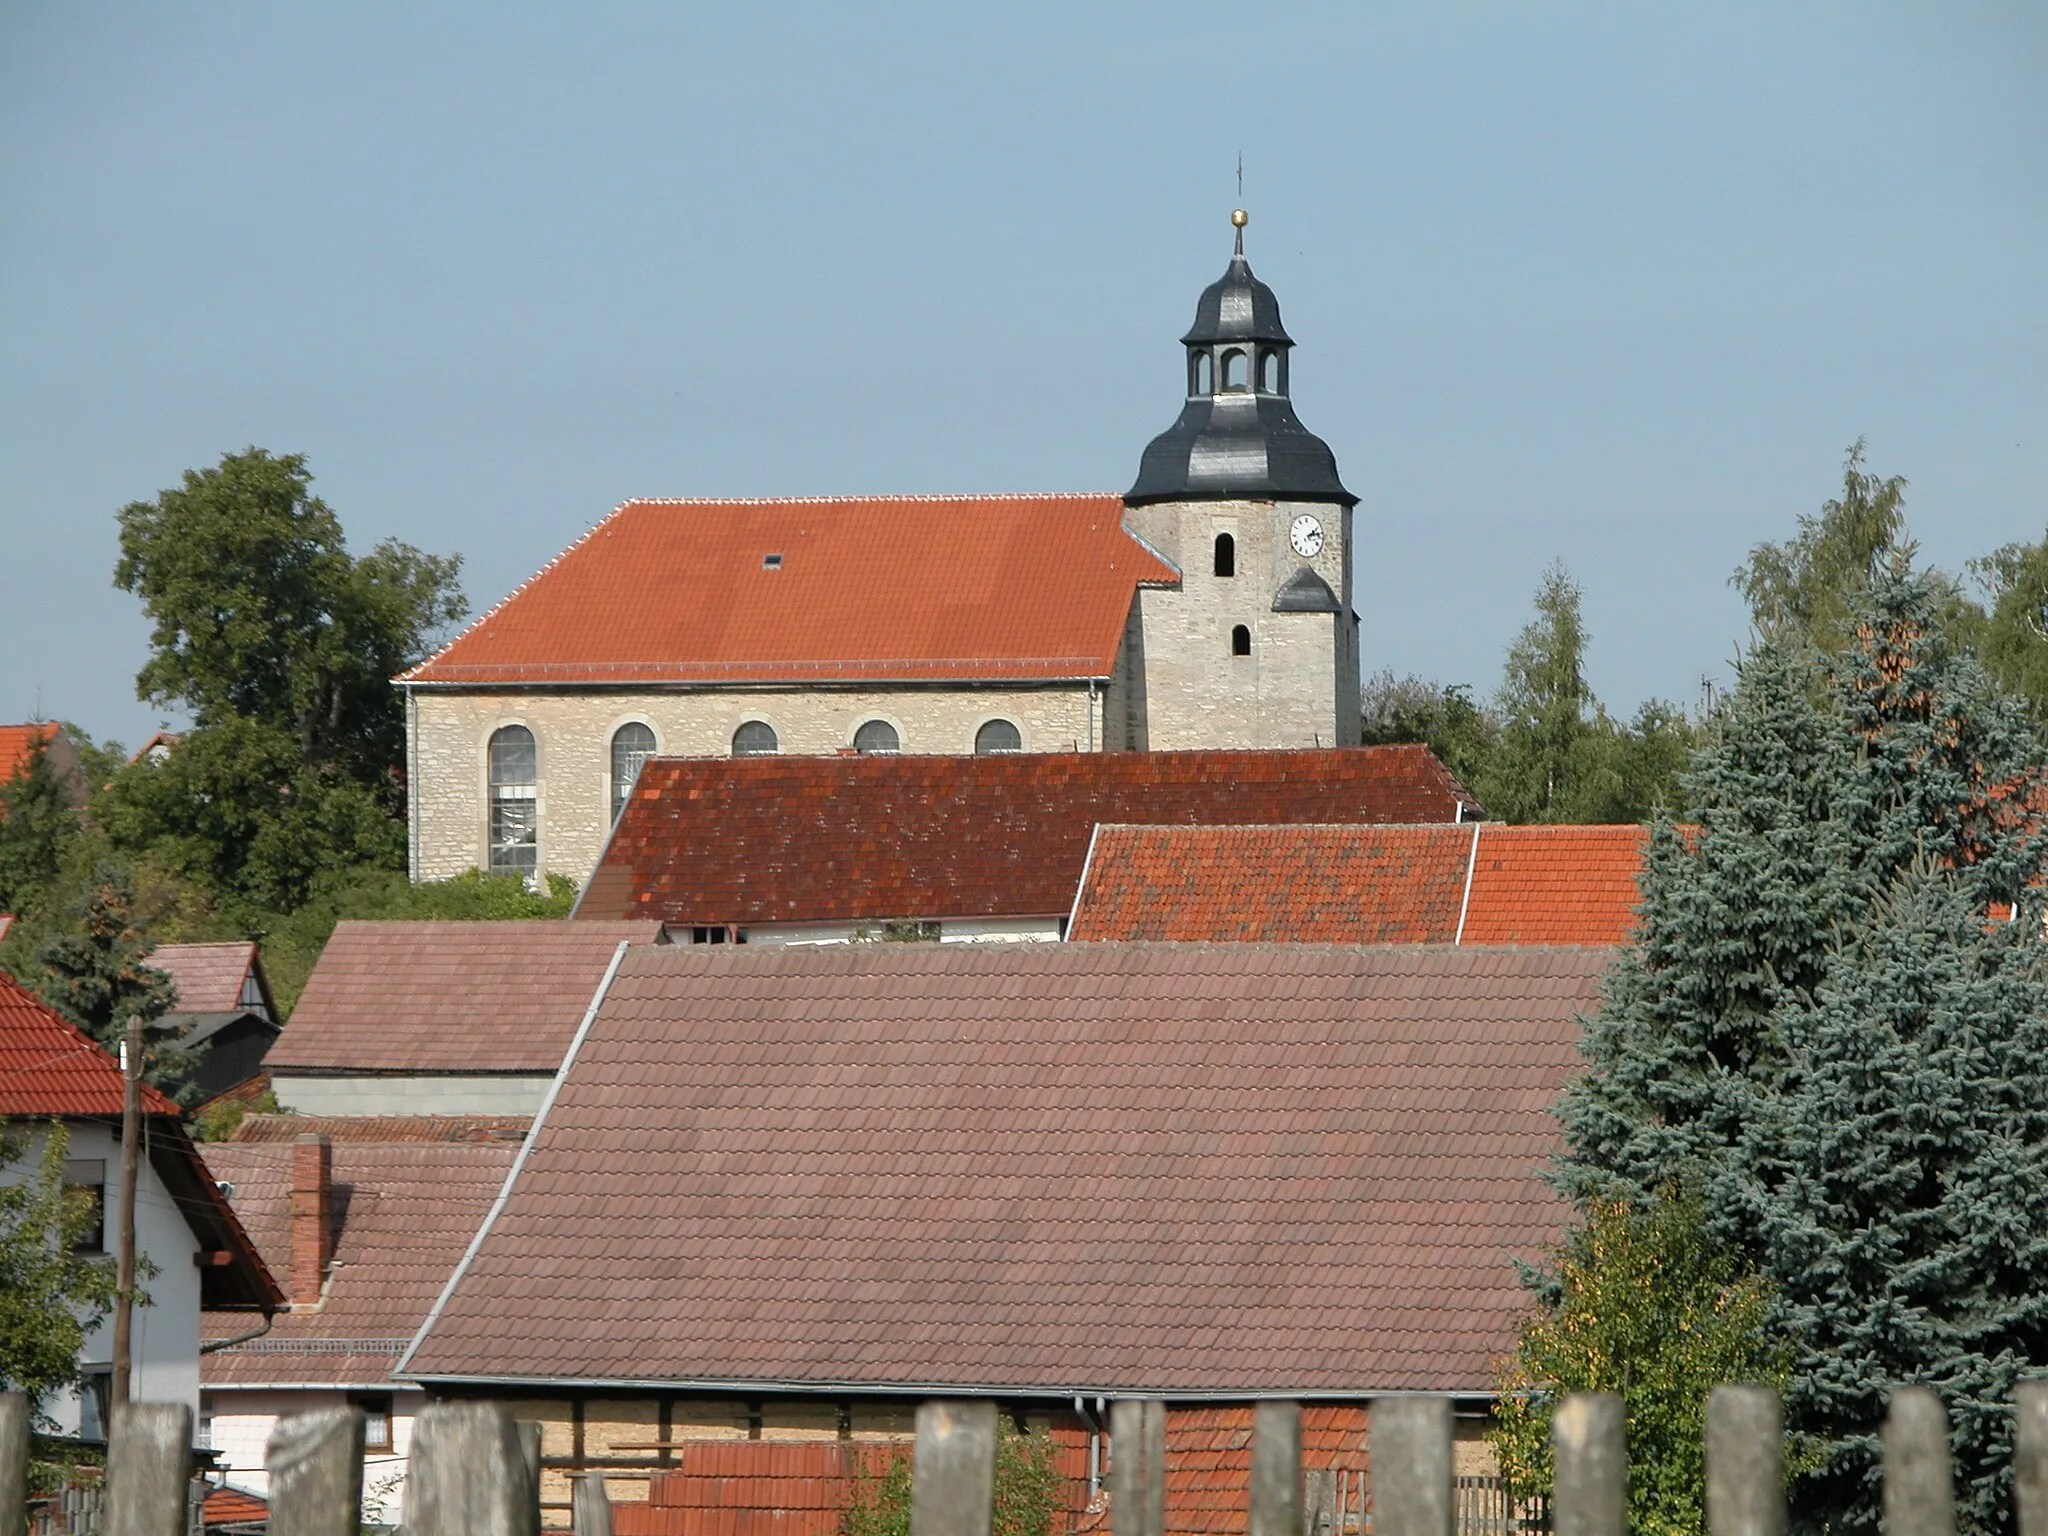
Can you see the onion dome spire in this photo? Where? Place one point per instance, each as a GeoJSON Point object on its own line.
{"type": "Point", "coordinates": [1237, 437]}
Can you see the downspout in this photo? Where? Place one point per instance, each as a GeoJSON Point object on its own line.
{"type": "Point", "coordinates": [412, 784]}
{"type": "Point", "coordinates": [1093, 1419]}
{"type": "Point", "coordinates": [1471, 863]}
{"type": "Point", "coordinates": [1091, 714]}
{"type": "Point", "coordinates": [240, 1338]}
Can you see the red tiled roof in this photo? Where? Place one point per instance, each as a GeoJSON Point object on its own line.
{"type": "Point", "coordinates": [1220, 1170]}
{"type": "Point", "coordinates": [384, 1128]}
{"type": "Point", "coordinates": [823, 839]}
{"type": "Point", "coordinates": [1481, 884]}
{"type": "Point", "coordinates": [910, 588]}
{"type": "Point", "coordinates": [17, 741]}
{"type": "Point", "coordinates": [208, 977]}
{"type": "Point", "coordinates": [234, 1506]}
{"type": "Point", "coordinates": [448, 996]}
{"type": "Point", "coordinates": [48, 1066]}
{"type": "Point", "coordinates": [405, 1213]}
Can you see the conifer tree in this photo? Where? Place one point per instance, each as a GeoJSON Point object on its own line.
{"type": "Point", "coordinates": [95, 976]}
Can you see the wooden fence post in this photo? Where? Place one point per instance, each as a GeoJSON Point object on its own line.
{"type": "Point", "coordinates": [315, 1462]}
{"type": "Point", "coordinates": [1919, 1498]}
{"type": "Point", "coordinates": [469, 1474]}
{"type": "Point", "coordinates": [1137, 1468]}
{"type": "Point", "coordinates": [1588, 1439]}
{"type": "Point", "coordinates": [2030, 1458]}
{"type": "Point", "coordinates": [149, 1464]}
{"type": "Point", "coordinates": [1413, 1493]}
{"type": "Point", "coordinates": [1276, 1469]}
{"type": "Point", "coordinates": [1745, 1462]}
{"type": "Point", "coordinates": [590, 1505]}
{"type": "Point", "coordinates": [953, 1472]}
{"type": "Point", "coordinates": [13, 1464]}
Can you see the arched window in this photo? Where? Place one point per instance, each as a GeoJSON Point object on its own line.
{"type": "Point", "coordinates": [1233, 369]}
{"type": "Point", "coordinates": [755, 738]}
{"type": "Point", "coordinates": [515, 802]}
{"type": "Point", "coordinates": [877, 736]}
{"type": "Point", "coordinates": [1226, 555]}
{"type": "Point", "coordinates": [1240, 641]}
{"type": "Point", "coordinates": [998, 736]}
{"type": "Point", "coordinates": [1269, 372]}
{"type": "Point", "coordinates": [1204, 372]}
{"type": "Point", "coordinates": [632, 745]}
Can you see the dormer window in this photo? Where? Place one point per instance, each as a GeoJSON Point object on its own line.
{"type": "Point", "coordinates": [1233, 370]}
{"type": "Point", "coordinates": [1269, 372]}
{"type": "Point", "coordinates": [1202, 381]}
{"type": "Point", "coordinates": [771, 562]}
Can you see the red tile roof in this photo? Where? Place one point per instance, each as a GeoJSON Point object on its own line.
{"type": "Point", "coordinates": [383, 1128]}
{"type": "Point", "coordinates": [1482, 884]}
{"type": "Point", "coordinates": [824, 839]}
{"type": "Point", "coordinates": [1219, 1170]}
{"type": "Point", "coordinates": [910, 588]}
{"type": "Point", "coordinates": [16, 742]}
{"type": "Point", "coordinates": [234, 1506]}
{"type": "Point", "coordinates": [209, 977]}
{"type": "Point", "coordinates": [405, 1213]}
{"type": "Point", "coordinates": [448, 996]}
{"type": "Point", "coordinates": [48, 1066]}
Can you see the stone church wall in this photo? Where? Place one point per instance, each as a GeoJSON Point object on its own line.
{"type": "Point", "coordinates": [573, 731]}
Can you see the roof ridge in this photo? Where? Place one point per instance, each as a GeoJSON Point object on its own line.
{"type": "Point", "coordinates": [839, 500]}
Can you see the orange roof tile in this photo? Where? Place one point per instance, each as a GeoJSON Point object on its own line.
{"type": "Point", "coordinates": [16, 741]}
{"type": "Point", "coordinates": [862, 588]}
{"type": "Point", "coordinates": [1352, 884]}
{"type": "Point", "coordinates": [49, 1066]}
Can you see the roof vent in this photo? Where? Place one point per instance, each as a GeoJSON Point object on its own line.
{"type": "Point", "coordinates": [771, 562]}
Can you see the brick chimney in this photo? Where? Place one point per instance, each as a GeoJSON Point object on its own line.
{"type": "Point", "coordinates": [312, 1217]}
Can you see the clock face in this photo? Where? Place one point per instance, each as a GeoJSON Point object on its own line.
{"type": "Point", "coordinates": [1306, 536]}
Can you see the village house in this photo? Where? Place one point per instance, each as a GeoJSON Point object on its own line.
{"type": "Point", "coordinates": [822, 850]}
{"type": "Point", "coordinates": [442, 1018]}
{"type": "Point", "coordinates": [224, 1017]}
{"type": "Point", "coordinates": [17, 742]}
{"type": "Point", "coordinates": [782, 1194]}
{"type": "Point", "coordinates": [1209, 606]}
{"type": "Point", "coordinates": [364, 1220]}
{"type": "Point", "coordinates": [1478, 884]}
{"type": "Point", "coordinates": [198, 1253]}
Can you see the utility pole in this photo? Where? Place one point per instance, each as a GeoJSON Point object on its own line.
{"type": "Point", "coordinates": [131, 1170]}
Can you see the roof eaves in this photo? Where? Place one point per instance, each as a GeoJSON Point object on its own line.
{"type": "Point", "coordinates": [826, 1387]}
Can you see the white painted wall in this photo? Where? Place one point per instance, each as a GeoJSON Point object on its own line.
{"type": "Point", "coordinates": [243, 1417]}
{"type": "Point", "coordinates": [166, 1331]}
{"type": "Point", "coordinates": [510, 1093]}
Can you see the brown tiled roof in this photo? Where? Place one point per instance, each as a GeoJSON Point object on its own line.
{"type": "Point", "coordinates": [448, 996]}
{"type": "Point", "coordinates": [1206, 1170]}
{"type": "Point", "coordinates": [386, 1128]}
{"type": "Point", "coordinates": [1482, 884]}
{"type": "Point", "coordinates": [897, 588]}
{"type": "Point", "coordinates": [824, 839]}
{"type": "Point", "coordinates": [208, 977]}
{"type": "Point", "coordinates": [405, 1213]}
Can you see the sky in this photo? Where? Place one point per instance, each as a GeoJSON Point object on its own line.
{"type": "Point", "coordinates": [1602, 283]}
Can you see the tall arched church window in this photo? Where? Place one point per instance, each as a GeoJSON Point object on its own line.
{"type": "Point", "coordinates": [998, 736]}
{"type": "Point", "coordinates": [515, 802]}
{"type": "Point", "coordinates": [1233, 369]}
{"type": "Point", "coordinates": [755, 738]}
{"type": "Point", "coordinates": [632, 745]}
{"type": "Point", "coordinates": [1226, 555]}
{"type": "Point", "coordinates": [1240, 641]}
{"type": "Point", "coordinates": [1269, 372]}
{"type": "Point", "coordinates": [1204, 375]}
{"type": "Point", "coordinates": [877, 736]}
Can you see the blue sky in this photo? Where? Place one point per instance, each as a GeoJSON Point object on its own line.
{"type": "Point", "coordinates": [1610, 283]}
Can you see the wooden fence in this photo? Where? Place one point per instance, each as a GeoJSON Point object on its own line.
{"type": "Point", "coordinates": [477, 1473]}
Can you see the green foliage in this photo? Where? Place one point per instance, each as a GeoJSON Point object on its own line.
{"type": "Point", "coordinates": [1644, 1304]}
{"type": "Point", "coordinates": [1027, 1492]}
{"type": "Point", "coordinates": [49, 1297]}
{"type": "Point", "coordinates": [1824, 788]}
{"type": "Point", "coordinates": [2013, 641]}
{"type": "Point", "coordinates": [219, 1120]}
{"type": "Point", "coordinates": [262, 615]}
{"type": "Point", "coordinates": [38, 828]}
{"type": "Point", "coordinates": [95, 975]}
{"type": "Point", "coordinates": [1807, 588]}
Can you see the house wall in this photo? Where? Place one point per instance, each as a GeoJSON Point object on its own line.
{"type": "Point", "coordinates": [450, 732]}
{"type": "Point", "coordinates": [1299, 685]}
{"type": "Point", "coordinates": [166, 1329]}
{"type": "Point", "coordinates": [508, 1093]}
{"type": "Point", "coordinates": [239, 1421]}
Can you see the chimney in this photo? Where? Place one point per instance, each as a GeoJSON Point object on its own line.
{"type": "Point", "coordinates": [312, 1217]}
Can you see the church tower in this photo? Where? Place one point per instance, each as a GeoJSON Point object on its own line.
{"type": "Point", "coordinates": [1258, 646]}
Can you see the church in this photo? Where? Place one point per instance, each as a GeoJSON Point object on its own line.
{"type": "Point", "coordinates": [1209, 606]}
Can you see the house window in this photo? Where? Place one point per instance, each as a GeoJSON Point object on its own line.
{"type": "Point", "coordinates": [376, 1411]}
{"type": "Point", "coordinates": [632, 745]}
{"type": "Point", "coordinates": [94, 1391]}
{"type": "Point", "coordinates": [877, 736]}
{"type": "Point", "coordinates": [204, 1439]}
{"type": "Point", "coordinates": [87, 1178]}
{"type": "Point", "coordinates": [755, 738]}
{"type": "Point", "coordinates": [1233, 369]}
{"type": "Point", "coordinates": [1269, 372]}
{"type": "Point", "coordinates": [998, 736]}
{"type": "Point", "coordinates": [1226, 555]}
{"type": "Point", "coordinates": [515, 802]}
{"type": "Point", "coordinates": [1240, 641]}
{"type": "Point", "coordinates": [1203, 373]}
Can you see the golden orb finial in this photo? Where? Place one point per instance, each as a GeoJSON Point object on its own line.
{"type": "Point", "coordinates": [1239, 217]}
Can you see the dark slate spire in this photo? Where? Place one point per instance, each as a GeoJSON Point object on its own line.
{"type": "Point", "coordinates": [1238, 436]}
